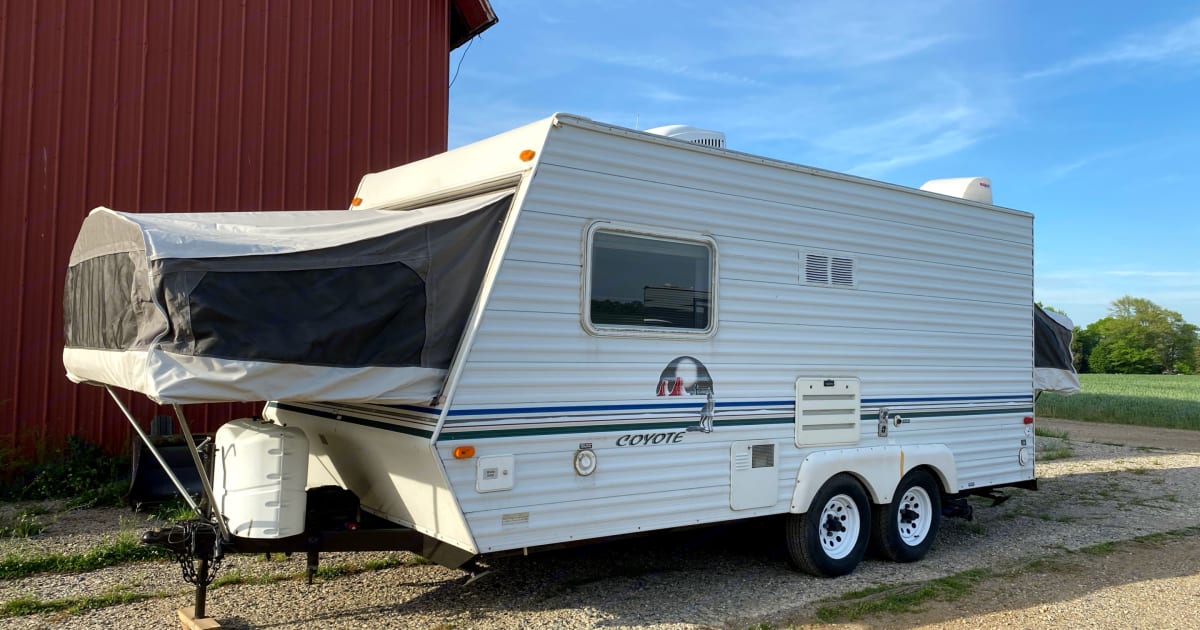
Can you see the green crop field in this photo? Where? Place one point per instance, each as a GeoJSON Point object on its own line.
{"type": "Point", "coordinates": [1171, 401]}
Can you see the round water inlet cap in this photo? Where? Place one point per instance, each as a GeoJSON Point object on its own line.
{"type": "Point", "coordinates": [585, 462]}
{"type": "Point", "coordinates": [1023, 456]}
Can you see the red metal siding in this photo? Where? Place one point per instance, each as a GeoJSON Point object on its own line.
{"type": "Point", "coordinates": [184, 106]}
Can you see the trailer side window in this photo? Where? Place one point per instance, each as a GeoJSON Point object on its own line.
{"type": "Point", "coordinates": [649, 282]}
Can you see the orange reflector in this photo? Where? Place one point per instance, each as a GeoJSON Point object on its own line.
{"type": "Point", "coordinates": [527, 155]}
{"type": "Point", "coordinates": [357, 201]}
{"type": "Point", "coordinates": [464, 452]}
{"type": "Point", "coordinates": [1028, 419]}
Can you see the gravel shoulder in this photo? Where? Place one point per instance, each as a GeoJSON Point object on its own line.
{"type": "Point", "coordinates": [1115, 488]}
{"type": "Point", "coordinates": [1151, 584]}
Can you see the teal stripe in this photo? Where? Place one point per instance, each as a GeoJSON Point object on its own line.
{"type": "Point", "coordinates": [475, 434]}
{"type": "Point", "coordinates": [604, 428]}
{"type": "Point", "coordinates": [944, 413]}
{"type": "Point", "coordinates": [343, 417]}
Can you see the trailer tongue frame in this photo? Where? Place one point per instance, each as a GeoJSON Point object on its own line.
{"type": "Point", "coordinates": [200, 544]}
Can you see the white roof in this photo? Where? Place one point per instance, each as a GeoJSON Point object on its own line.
{"type": "Point", "coordinates": [228, 234]}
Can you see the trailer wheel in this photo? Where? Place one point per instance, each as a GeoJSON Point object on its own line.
{"type": "Point", "coordinates": [904, 531]}
{"type": "Point", "coordinates": [831, 537]}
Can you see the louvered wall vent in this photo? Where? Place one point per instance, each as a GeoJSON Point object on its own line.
{"type": "Point", "coordinates": [828, 411]}
{"type": "Point", "coordinates": [826, 270]}
{"type": "Point", "coordinates": [762, 456]}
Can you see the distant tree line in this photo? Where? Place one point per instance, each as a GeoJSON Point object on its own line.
{"type": "Point", "coordinates": [1137, 337]}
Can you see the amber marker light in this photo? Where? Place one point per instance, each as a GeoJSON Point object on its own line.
{"type": "Point", "coordinates": [357, 201]}
{"type": "Point", "coordinates": [527, 155]}
{"type": "Point", "coordinates": [464, 452]}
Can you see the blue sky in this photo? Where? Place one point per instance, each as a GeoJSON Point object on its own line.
{"type": "Point", "coordinates": [1086, 114]}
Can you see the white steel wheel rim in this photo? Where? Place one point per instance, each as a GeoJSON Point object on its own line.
{"type": "Point", "coordinates": [914, 530]}
{"type": "Point", "coordinates": [839, 526]}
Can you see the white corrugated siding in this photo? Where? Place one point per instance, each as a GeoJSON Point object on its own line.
{"type": "Point", "coordinates": [942, 308]}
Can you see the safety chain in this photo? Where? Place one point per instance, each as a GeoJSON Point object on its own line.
{"type": "Point", "coordinates": [183, 540]}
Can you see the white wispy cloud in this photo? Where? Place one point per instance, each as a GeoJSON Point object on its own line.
{"type": "Point", "coordinates": [662, 94]}
{"type": "Point", "coordinates": [937, 118]}
{"type": "Point", "coordinates": [930, 131]}
{"type": "Point", "coordinates": [1178, 44]}
{"type": "Point", "coordinates": [1059, 171]}
{"type": "Point", "coordinates": [835, 33]}
{"type": "Point", "coordinates": [778, 76]}
{"type": "Point", "coordinates": [691, 70]}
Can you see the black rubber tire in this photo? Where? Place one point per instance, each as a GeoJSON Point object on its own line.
{"type": "Point", "coordinates": [885, 526]}
{"type": "Point", "coordinates": [804, 531]}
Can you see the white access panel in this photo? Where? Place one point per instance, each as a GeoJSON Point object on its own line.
{"type": "Point", "coordinates": [753, 475]}
{"type": "Point", "coordinates": [494, 473]}
{"type": "Point", "coordinates": [827, 411]}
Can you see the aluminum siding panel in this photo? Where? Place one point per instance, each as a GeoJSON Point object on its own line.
{"type": "Point", "coordinates": [185, 106]}
{"type": "Point", "coordinates": [942, 310]}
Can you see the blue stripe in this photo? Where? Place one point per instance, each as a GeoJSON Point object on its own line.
{"type": "Point", "coordinates": [415, 409]}
{"type": "Point", "coordinates": [344, 417]}
{"type": "Point", "coordinates": [573, 408]}
{"type": "Point", "coordinates": [564, 409]}
{"type": "Point", "coordinates": [1016, 398]}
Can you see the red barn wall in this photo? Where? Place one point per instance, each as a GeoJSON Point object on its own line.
{"type": "Point", "coordinates": [184, 106]}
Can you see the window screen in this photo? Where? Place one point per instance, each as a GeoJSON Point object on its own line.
{"type": "Point", "coordinates": [645, 282]}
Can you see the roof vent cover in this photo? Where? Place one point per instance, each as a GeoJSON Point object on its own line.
{"type": "Point", "coordinates": [970, 188]}
{"type": "Point", "coordinates": [694, 135]}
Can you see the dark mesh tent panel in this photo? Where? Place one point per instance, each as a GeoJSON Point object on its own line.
{"type": "Point", "coordinates": [95, 318]}
{"type": "Point", "coordinates": [1051, 342]}
{"type": "Point", "coordinates": [1053, 367]}
{"type": "Point", "coordinates": [348, 316]}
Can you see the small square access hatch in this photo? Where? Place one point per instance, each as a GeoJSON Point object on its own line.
{"type": "Point", "coordinates": [494, 473]}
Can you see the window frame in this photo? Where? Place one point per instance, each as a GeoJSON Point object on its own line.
{"type": "Point", "coordinates": [661, 234]}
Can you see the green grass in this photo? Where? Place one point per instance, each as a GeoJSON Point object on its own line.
{"type": "Point", "coordinates": [1100, 549]}
{"type": "Point", "coordinates": [1169, 401]}
{"type": "Point", "coordinates": [26, 605]}
{"type": "Point", "coordinates": [174, 510]}
{"type": "Point", "coordinates": [24, 525]}
{"type": "Point", "coordinates": [1052, 449]}
{"type": "Point", "coordinates": [324, 572]}
{"type": "Point", "coordinates": [125, 549]}
{"type": "Point", "coordinates": [905, 598]}
{"type": "Point", "coordinates": [1051, 433]}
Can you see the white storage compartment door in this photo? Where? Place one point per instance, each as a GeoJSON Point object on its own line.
{"type": "Point", "coordinates": [827, 411]}
{"type": "Point", "coordinates": [753, 475]}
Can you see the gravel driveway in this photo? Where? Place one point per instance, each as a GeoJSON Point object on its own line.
{"type": "Point", "coordinates": [731, 576]}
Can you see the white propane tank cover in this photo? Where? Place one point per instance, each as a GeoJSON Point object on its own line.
{"type": "Point", "coordinates": [970, 188]}
{"type": "Point", "coordinates": [259, 478]}
{"type": "Point", "coordinates": [694, 135]}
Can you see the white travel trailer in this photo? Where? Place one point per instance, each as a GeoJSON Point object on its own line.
{"type": "Point", "coordinates": [573, 331]}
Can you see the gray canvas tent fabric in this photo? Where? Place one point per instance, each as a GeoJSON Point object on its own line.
{"type": "Point", "coordinates": [332, 305]}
